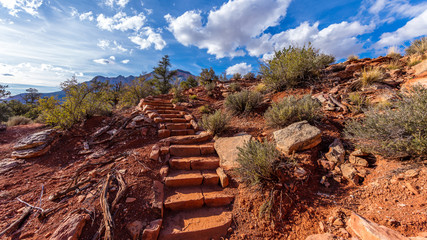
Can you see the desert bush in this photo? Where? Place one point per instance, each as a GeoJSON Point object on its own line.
{"type": "Point", "coordinates": [261, 88]}
{"type": "Point", "coordinates": [210, 86]}
{"type": "Point", "coordinates": [177, 94]}
{"type": "Point", "coordinates": [358, 102]}
{"type": "Point", "coordinates": [237, 76]}
{"type": "Point", "coordinates": [393, 53]}
{"type": "Point", "coordinates": [205, 109]}
{"type": "Point", "coordinates": [215, 123]}
{"type": "Point", "coordinates": [294, 66]}
{"type": "Point", "coordinates": [136, 90]}
{"type": "Point", "coordinates": [258, 161]}
{"type": "Point", "coordinates": [243, 102]}
{"type": "Point", "coordinates": [5, 112]}
{"type": "Point", "coordinates": [397, 131]}
{"type": "Point", "coordinates": [191, 82]}
{"type": "Point", "coordinates": [417, 47]}
{"type": "Point", "coordinates": [18, 120]}
{"type": "Point", "coordinates": [249, 75]}
{"type": "Point", "coordinates": [81, 101]}
{"type": "Point", "coordinates": [414, 60]}
{"type": "Point", "coordinates": [352, 57]}
{"type": "Point", "coordinates": [207, 76]}
{"type": "Point", "coordinates": [235, 87]}
{"type": "Point", "coordinates": [394, 64]}
{"type": "Point", "coordinates": [291, 110]}
{"type": "Point", "coordinates": [369, 76]}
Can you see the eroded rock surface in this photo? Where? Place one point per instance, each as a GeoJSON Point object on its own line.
{"type": "Point", "coordinates": [297, 137]}
{"type": "Point", "coordinates": [226, 148]}
{"type": "Point", "coordinates": [34, 145]}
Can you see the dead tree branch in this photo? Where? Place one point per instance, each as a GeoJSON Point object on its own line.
{"type": "Point", "coordinates": [15, 225]}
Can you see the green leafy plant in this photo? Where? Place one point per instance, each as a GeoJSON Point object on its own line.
{"type": "Point", "coordinates": [139, 88]}
{"type": "Point", "coordinates": [192, 97]}
{"type": "Point", "coordinates": [243, 102]}
{"type": "Point", "coordinates": [294, 66]}
{"type": "Point", "coordinates": [417, 47]}
{"type": "Point", "coordinates": [358, 101]}
{"type": "Point", "coordinates": [235, 87]}
{"type": "Point", "coordinates": [397, 131]}
{"type": "Point", "coordinates": [191, 82]}
{"type": "Point", "coordinates": [291, 110]}
{"type": "Point", "coordinates": [249, 76]}
{"type": "Point", "coordinates": [205, 109]}
{"type": "Point", "coordinates": [215, 123]}
{"type": "Point", "coordinates": [237, 76]}
{"type": "Point", "coordinates": [178, 96]}
{"type": "Point", "coordinates": [81, 101]}
{"type": "Point", "coordinates": [207, 76]}
{"type": "Point", "coordinates": [261, 88]}
{"type": "Point", "coordinates": [18, 120]}
{"type": "Point", "coordinates": [258, 161]}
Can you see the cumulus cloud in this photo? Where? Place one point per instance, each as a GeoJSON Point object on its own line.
{"type": "Point", "coordinates": [147, 38]}
{"type": "Point", "coordinates": [241, 68]}
{"type": "Point", "coordinates": [119, 3]}
{"type": "Point", "coordinates": [413, 28]}
{"type": "Point", "coordinates": [249, 19]}
{"type": "Point", "coordinates": [126, 61]}
{"type": "Point", "coordinates": [16, 6]}
{"type": "Point", "coordinates": [121, 22]}
{"type": "Point", "coordinates": [87, 15]}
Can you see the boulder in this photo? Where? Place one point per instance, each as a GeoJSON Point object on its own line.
{"type": "Point", "coordinates": [71, 228]}
{"type": "Point", "coordinates": [419, 81]}
{"type": "Point", "coordinates": [368, 230]}
{"type": "Point", "coordinates": [336, 152]}
{"type": "Point", "coordinates": [35, 140]}
{"type": "Point", "coordinates": [358, 161]}
{"type": "Point", "coordinates": [420, 67]}
{"type": "Point", "coordinates": [9, 163]}
{"type": "Point", "coordinates": [226, 148]}
{"type": "Point", "coordinates": [349, 172]}
{"type": "Point", "coordinates": [32, 152]}
{"type": "Point", "coordinates": [134, 229]}
{"type": "Point", "coordinates": [151, 232]}
{"type": "Point", "coordinates": [297, 137]}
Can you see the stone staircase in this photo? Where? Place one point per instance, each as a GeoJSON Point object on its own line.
{"type": "Point", "coordinates": [196, 200]}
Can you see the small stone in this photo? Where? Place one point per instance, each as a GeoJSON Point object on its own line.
{"type": "Point", "coordinates": [223, 178]}
{"type": "Point", "coordinates": [144, 131]}
{"type": "Point", "coordinates": [135, 229]}
{"type": "Point", "coordinates": [151, 232]}
{"type": "Point", "coordinates": [336, 152]}
{"type": "Point", "coordinates": [230, 230]}
{"type": "Point", "coordinates": [358, 161]}
{"type": "Point", "coordinates": [81, 198]}
{"type": "Point", "coordinates": [300, 173]}
{"type": "Point", "coordinates": [349, 172]}
{"type": "Point", "coordinates": [154, 155]}
{"type": "Point", "coordinates": [359, 153]}
{"type": "Point", "coordinates": [338, 222]}
{"type": "Point", "coordinates": [164, 170]}
{"type": "Point", "coordinates": [130, 200]}
{"type": "Point", "coordinates": [411, 173]}
{"type": "Point", "coordinates": [297, 137]}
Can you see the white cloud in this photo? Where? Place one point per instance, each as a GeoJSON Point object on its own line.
{"type": "Point", "coordinates": [27, 72]}
{"type": "Point", "coordinates": [229, 28]}
{"type": "Point", "coordinates": [107, 44]}
{"type": "Point", "coordinates": [102, 61]}
{"type": "Point", "coordinates": [338, 39]}
{"type": "Point", "coordinates": [121, 22]}
{"type": "Point", "coordinates": [126, 61]}
{"type": "Point", "coordinates": [104, 44]}
{"type": "Point", "coordinates": [119, 3]}
{"type": "Point", "coordinates": [147, 37]}
{"type": "Point", "coordinates": [413, 28]}
{"type": "Point", "coordinates": [241, 68]}
{"type": "Point", "coordinates": [401, 8]}
{"type": "Point", "coordinates": [15, 6]}
{"type": "Point", "coordinates": [87, 15]}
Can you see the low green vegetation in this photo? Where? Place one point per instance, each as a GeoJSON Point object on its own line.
{"type": "Point", "coordinates": [18, 120]}
{"type": "Point", "coordinates": [396, 131]}
{"type": "Point", "coordinates": [249, 76]}
{"type": "Point", "coordinates": [291, 110]}
{"type": "Point", "coordinates": [258, 161]}
{"type": "Point", "coordinates": [243, 102]}
{"type": "Point", "coordinates": [369, 76]}
{"type": "Point", "coordinates": [237, 76]}
{"type": "Point", "coordinates": [207, 76]}
{"type": "Point", "coordinates": [235, 87]}
{"type": "Point", "coordinates": [358, 102]}
{"type": "Point", "coordinates": [417, 47]}
{"type": "Point", "coordinates": [215, 123]}
{"type": "Point", "coordinates": [205, 109]}
{"type": "Point", "coordinates": [294, 66]}
{"type": "Point", "coordinates": [191, 82]}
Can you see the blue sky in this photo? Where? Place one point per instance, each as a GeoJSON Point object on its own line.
{"type": "Point", "coordinates": [44, 42]}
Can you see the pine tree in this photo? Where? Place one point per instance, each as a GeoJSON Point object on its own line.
{"type": "Point", "coordinates": [163, 76]}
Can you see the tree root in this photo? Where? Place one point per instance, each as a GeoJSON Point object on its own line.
{"type": "Point", "coordinates": [15, 225]}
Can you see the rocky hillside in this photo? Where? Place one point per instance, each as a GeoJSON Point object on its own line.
{"type": "Point", "coordinates": [152, 173]}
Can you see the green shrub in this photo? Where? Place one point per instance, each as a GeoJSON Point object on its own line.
{"type": "Point", "coordinates": [5, 112]}
{"type": "Point", "coordinates": [417, 47]}
{"type": "Point", "coordinates": [178, 96]}
{"type": "Point", "coordinates": [258, 162]}
{"type": "Point", "coordinates": [249, 75]}
{"type": "Point", "coordinates": [210, 86]}
{"type": "Point", "coordinates": [394, 132]}
{"type": "Point", "coordinates": [207, 76]}
{"type": "Point", "coordinates": [191, 82]}
{"type": "Point", "coordinates": [394, 64]}
{"type": "Point", "coordinates": [205, 109]}
{"type": "Point", "coordinates": [291, 110]}
{"type": "Point", "coordinates": [235, 87]}
{"type": "Point", "coordinates": [81, 101]}
{"type": "Point", "coordinates": [294, 66]}
{"type": "Point", "coordinates": [18, 120]}
{"type": "Point", "coordinates": [243, 102]}
{"type": "Point", "coordinates": [237, 76]}
{"type": "Point", "coordinates": [192, 97]}
{"type": "Point", "coordinates": [358, 101]}
{"type": "Point", "coordinates": [215, 123]}
{"type": "Point", "coordinates": [352, 57]}
{"type": "Point", "coordinates": [261, 88]}
{"type": "Point", "coordinates": [139, 88]}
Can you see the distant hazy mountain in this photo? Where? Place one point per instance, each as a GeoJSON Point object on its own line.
{"type": "Point", "coordinates": [181, 76]}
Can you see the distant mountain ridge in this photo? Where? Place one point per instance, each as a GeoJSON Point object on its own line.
{"type": "Point", "coordinates": [181, 76]}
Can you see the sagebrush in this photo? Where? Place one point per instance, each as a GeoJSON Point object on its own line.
{"type": "Point", "coordinates": [215, 123]}
{"type": "Point", "coordinates": [18, 120]}
{"type": "Point", "coordinates": [243, 102]}
{"type": "Point", "coordinates": [417, 47]}
{"type": "Point", "coordinates": [294, 66]}
{"type": "Point", "coordinates": [258, 161]}
{"type": "Point", "coordinates": [396, 131]}
{"type": "Point", "coordinates": [291, 110]}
